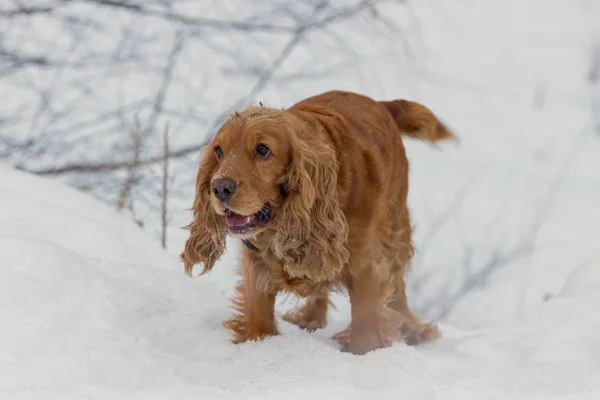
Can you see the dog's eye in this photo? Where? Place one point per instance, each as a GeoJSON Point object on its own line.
{"type": "Point", "coordinates": [219, 152]}
{"type": "Point", "coordinates": [263, 151]}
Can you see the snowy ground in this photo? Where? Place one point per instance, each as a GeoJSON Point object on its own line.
{"type": "Point", "coordinates": [91, 307]}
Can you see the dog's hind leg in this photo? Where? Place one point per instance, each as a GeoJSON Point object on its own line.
{"type": "Point", "coordinates": [400, 251]}
{"type": "Point", "coordinates": [412, 330]}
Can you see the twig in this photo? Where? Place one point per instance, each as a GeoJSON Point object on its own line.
{"type": "Point", "coordinates": [245, 26]}
{"type": "Point", "coordinates": [164, 186]}
{"type": "Point", "coordinates": [480, 277]}
{"type": "Point", "coordinates": [166, 78]}
{"type": "Point", "coordinates": [138, 138]}
{"type": "Point", "coordinates": [25, 11]}
{"type": "Point", "coordinates": [594, 80]}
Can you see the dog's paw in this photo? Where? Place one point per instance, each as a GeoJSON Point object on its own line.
{"type": "Point", "coordinates": [303, 318]}
{"type": "Point", "coordinates": [242, 332]}
{"type": "Point", "coordinates": [238, 330]}
{"type": "Point", "coordinates": [343, 338]}
{"type": "Point", "coordinates": [421, 333]}
{"type": "Point", "coordinates": [361, 343]}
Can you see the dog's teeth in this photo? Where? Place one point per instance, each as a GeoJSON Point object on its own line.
{"type": "Point", "coordinates": [246, 220]}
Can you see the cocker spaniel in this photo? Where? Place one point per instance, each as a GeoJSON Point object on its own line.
{"type": "Point", "coordinates": [318, 194]}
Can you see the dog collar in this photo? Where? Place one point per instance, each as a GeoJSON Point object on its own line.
{"type": "Point", "coordinates": [250, 246]}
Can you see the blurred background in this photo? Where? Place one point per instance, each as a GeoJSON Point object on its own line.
{"type": "Point", "coordinates": [117, 98]}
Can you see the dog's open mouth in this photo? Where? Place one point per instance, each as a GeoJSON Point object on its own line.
{"type": "Point", "coordinates": [245, 223]}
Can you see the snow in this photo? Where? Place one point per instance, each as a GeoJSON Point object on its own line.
{"type": "Point", "coordinates": [92, 307]}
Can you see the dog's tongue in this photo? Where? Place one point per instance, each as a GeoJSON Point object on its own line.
{"type": "Point", "coordinates": [237, 220]}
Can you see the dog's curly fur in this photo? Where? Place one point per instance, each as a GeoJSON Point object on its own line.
{"type": "Point", "coordinates": [336, 180]}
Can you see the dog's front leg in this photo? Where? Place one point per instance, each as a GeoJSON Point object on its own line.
{"type": "Point", "coordinates": [254, 302]}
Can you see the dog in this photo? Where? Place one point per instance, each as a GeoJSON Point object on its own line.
{"type": "Point", "coordinates": [317, 193]}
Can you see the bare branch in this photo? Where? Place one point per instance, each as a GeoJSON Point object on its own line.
{"type": "Point", "coordinates": [166, 77]}
{"type": "Point", "coordinates": [261, 83]}
{"type": "Point", "coordinates": [26, 11]}
{"type": "Point", "coordinates": [475, 280]}
{"type": "Point", "coordinates": [247, 26]}
{"type": "Point", "coordinates": [165, 193]}
{"type": "Point", "coordinates": [594, 80]}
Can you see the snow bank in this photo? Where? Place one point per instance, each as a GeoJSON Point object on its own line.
{"type": "Point", "coordinates": [91, 308]}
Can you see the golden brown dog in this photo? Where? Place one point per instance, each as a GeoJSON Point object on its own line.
{"type": "Point", "coordinates": [318, 193]}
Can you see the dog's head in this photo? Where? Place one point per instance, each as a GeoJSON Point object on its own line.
{"type": "Point", "coordinates": [270, 172]}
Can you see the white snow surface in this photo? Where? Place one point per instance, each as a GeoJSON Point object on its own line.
{"type": "Point", "coordinates": [91, 307]}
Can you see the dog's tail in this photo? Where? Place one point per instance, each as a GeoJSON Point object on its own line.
{"type": "Point", "coordinates": [417, 121]}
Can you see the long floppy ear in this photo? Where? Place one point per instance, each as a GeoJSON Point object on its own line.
{"type": "Point", "coordinates": [207, 231]}
{"type": "Point", "coordinates": [312, 230]}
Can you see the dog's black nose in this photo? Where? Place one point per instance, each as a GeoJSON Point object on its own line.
{"type": "Point", "coordinates": [223, 188]}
